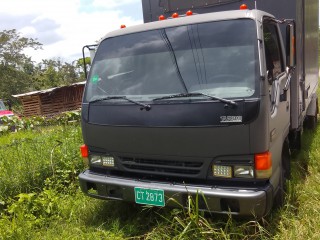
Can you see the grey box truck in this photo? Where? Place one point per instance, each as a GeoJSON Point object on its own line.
{"type": "Point", "coordinates": [206, 97]}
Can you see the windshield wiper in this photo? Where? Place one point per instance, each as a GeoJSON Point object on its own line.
{"type": "Point", "coordinates": [143, 106]}
{"type": "Point", "coordinates": [174, 58]}
{"type": "Point", "coordinates": [196, 94]}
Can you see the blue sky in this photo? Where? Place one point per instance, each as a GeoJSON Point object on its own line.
{"type": "Point", "coordinates": [131, 8]}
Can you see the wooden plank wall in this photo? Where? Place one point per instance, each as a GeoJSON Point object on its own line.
{"type": "Point", "coordinates": [31, 105]}
{"type": "Point", "coordinates": [73, 99]}
{"type": "Point", "coordinates": [51, 103]}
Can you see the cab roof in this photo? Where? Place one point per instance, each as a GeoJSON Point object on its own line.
{"type": "Point", "coordinates": [256, 15]}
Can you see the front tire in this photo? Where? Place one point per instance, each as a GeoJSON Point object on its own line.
{"type": "Point", "coordinates": [311, 121]}
{"type": "Point", "coordinates": [285, 173]}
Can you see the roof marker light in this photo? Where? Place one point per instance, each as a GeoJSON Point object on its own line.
{"type": "Point", "coordinates": [175, 15]}
{"type": "Point", "coordinates": [243, 7]}
{"type": "Point", "coordinates": [123, 26]}
{"type": "Point", "coordinates": [161, 17]}
{"type": "Point", "coordinates": [189, 13]}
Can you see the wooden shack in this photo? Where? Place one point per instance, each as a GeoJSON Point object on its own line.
{"type": "Point", "coordinates": [50, 102]}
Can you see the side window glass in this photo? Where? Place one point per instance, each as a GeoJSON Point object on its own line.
{"type": "Point", "coordinates": [274, 60]}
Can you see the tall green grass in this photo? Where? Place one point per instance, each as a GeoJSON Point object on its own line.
{"type": "Point", "coordinates": [40, 196]}
{"type": "Point", "coordinates": [27, 158]}
{"type": "Point", "coordinates": [41, 199]}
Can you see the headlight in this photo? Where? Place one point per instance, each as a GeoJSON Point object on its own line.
{"type": "Point", "coordinates": [257, 166]}
{"type": "Point", "coordinates": [108, 161]}
{"type": "Point", "coordinates": [243, 171]}
{"type": "Point", "coordinates": [222, 171]}
{"type": "Point", "coordinates": [101, 160]}
{"type": "Point", "coordinates": [95, 160]}
{"type": "Point", "coordinates": [233, 171]}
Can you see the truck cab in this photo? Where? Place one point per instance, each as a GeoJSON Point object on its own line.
{"type": "Point", "coordinates": [194, 104]}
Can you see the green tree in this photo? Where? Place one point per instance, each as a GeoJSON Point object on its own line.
{"type": "Point", "coordinates": [15, 66]}
{"type": "Point", "coordinates": [19, 74]}
{"type": "Point", "coordinates": [54, 73]}
{"type": "Point", "coordinates": [81, 64]}
{"type": "Point", "coordinates": [12, 46]}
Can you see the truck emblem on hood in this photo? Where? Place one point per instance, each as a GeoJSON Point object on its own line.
{"type": "Point", "coordinates": [231, 119]}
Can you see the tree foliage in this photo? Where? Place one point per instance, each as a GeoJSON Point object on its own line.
{"type": "Point", "coordinates": [13, 78]}
{"type": "Point", "coordinates": [12, 46]}
{"type": "Point", "coordinates": [19, 74]}
{"type": "Point", "coordinates": [83, 63]}
{"type": "Point", "coordinates": [54, 73]}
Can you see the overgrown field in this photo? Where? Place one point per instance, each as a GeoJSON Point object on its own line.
{"type": "Point", "coordinates": [40, 198]}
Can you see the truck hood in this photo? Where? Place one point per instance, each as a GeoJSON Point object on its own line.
{"type": "Point", "coordinates": [158, 141]}
{"type": "Point", "coordinates": [184, 130]}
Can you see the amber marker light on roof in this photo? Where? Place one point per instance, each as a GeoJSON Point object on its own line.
{"type": "Point", "coordinates": [243, 7]}
{"type": "Point", "coordinates": [175, 15]}
{"type": "Point", "coordinates": [189, 13]}
{"type": "Point", "coordinates": [161, 17]}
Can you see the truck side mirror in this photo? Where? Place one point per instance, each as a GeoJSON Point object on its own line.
{"type": "Point", "coordinates": [270, 76]}
{"type": "Point", "coordinates": [92, 52]}
{"type": "Point", "coordinates": [291, 45]}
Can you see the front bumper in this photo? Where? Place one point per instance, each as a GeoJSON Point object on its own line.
{"type": "Point", "coordinates": [235, 201]}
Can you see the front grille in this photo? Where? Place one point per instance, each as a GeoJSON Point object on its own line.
{"type": "Point", "coordinates": [163, 167]}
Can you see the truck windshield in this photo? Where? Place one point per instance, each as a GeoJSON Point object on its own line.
{"type": "Point", "coordinates": [215, 58]}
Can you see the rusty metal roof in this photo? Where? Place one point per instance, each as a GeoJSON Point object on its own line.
{"type": "Point", "coordinates": [46, 90]}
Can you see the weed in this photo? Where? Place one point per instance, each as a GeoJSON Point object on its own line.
{"type": "Point", "coordinates": [40, 198]}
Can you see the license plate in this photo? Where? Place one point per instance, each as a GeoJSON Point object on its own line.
{"type": "Point", "coordinates": [154, 197]}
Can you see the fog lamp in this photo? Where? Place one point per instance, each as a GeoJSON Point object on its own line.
{"type": "Point", "coordinates": [222, 171]}
{"type": "Point", "coordinates": [95, 159]}
{"type": "Point", "coordinates": [108, 161]}
{"type": "Point", "coordinates": [243, 171]}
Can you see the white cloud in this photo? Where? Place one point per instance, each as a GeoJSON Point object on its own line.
{"type": "Point", "coordinates": [28, 31]}
{"type": "Point", "coordinates": [109, 4]}
{"type": "Point", "coordinates": [62, 26]}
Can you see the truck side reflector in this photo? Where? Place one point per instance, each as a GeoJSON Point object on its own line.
{"type": "Point", "coordinates": [189, 13]}
{"type": "Point", "coordinates": [263, 165]}
{"type": "Point", "coordinates": [84, 151]}
{"type": "Point", "coordinates": [161, 17]}
{"type": "Point", "coordinates": [263, 161]}
{"type": "Point", "coordinates": [243, 7]}
{"type": "Point", "coordinates": [175, 15]}
{"type": "Point", "coordinates": [123, 26]}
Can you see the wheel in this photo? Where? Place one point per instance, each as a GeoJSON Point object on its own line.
{"type": "Point", "coordinates": [295, 139]}
{"type": "Point", "coordinates": [280, 195]}
{"type": "Point", "coordinates": [285, 173]}
{"type": "Point", "coordinates": [311, 122]}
